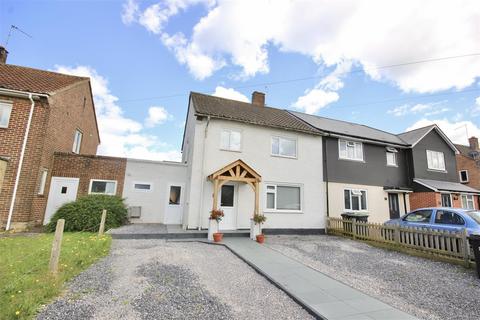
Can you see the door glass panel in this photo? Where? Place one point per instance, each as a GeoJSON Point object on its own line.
{"type": "Point", "coordinates": [64, 190]}
{"type": "Point", "coordinates": [226, 198]}
{"type": "Point", "coordinates": [446, 202]}
{"type": "Point", "coordinates": [175, 192]}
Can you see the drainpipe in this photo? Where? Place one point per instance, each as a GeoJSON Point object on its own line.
{"type": "Point", "coordinates": [20, 163]}
{"type": "Point", "coordinates": [325, 171]}
{"type": "Point", "coordinates": [200, 215]}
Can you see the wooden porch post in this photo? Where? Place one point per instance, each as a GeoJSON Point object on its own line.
{"type": "Point", "coordinates": [215, 194]}
{"type": "Point", "coordinates": [257, 204]}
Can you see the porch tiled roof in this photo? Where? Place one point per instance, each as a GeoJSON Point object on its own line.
{"type": "Point", "coordinates": [437, 185]}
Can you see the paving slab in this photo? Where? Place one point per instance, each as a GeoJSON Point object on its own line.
{"type": "Point", "coordinates": [322, 296]}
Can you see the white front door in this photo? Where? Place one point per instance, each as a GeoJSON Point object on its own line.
{"type": "Point", "coordinates": [62, 190]}
{"type": "Point", "coordinates": [174, 206]}
{"type": "Point", "coordinates": [228, 205]}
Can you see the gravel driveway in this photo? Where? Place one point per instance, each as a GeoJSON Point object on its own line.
{"type": "Point", "coordinates": [156, 279]}
{"type": "Point", "coordinates": [421, 287]}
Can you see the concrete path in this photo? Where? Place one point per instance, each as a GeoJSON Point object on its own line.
{"type": "Point", "coordinates": [321, 295]}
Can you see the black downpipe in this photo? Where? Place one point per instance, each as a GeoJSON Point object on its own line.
{"type": "Point", "coordinates": [325, 172]}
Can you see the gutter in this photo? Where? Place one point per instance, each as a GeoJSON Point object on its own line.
{"type": "Point", "coordinates": [20, 94]}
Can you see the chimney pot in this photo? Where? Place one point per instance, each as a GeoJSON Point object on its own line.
{"type": "Point", "coordinates": [258, 98]}
{"type": "Point", "coordinates": [473, 141]}
{"type": "Point", "coordinates": [3, 55]}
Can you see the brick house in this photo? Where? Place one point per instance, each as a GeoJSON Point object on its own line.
{"type": "Point", "coordinates": [468, 163]}
{"type": "Point", "coordinates": [41, 112]}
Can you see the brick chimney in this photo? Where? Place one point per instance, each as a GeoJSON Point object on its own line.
{"type": "Point", "coordinates": [258, 98]}
{"type": "Point", "coordinates": [473, 141]}
{"type": "Point", "coordinates": [3, 55]}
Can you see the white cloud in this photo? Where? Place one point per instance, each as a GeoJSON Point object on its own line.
{"type": "Point", "coordinates": [230, 93]}
{"type": "Point", "coordinates": [456, 131]}
{"type": "Point", "coordinates": [427, 109]}
{"type": "Point", "coordinates": [240, 33]}
{"type": "Point", "coordinates": [130, 11]}
{"type": "Point", "coordinates": [120, 136]}
{"type": "Point", "coordinates": [156, 116]}
{"type": "Point", "coordinates": [315, 99]}
{"type": "Point", "coordinates": [476, 107]}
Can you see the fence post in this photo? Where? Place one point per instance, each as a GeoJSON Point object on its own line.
{"type": "Point", "coordinates": [56, 246]}
{"type": "Point", "coordinates": [396, 234]}
{"type": "Point", "coordinates": [354, 228]}
{"type": "Point", "coordinates": [102, 223]}
{"type": "Point", "coordinates": [466, 248]}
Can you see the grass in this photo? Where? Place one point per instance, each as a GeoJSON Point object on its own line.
{"type": "Point", "coordinates": [26, 284]}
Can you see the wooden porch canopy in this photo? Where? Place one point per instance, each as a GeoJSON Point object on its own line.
{"type": "Point", "coordinates": [236, 171]}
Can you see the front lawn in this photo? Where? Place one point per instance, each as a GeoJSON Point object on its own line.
{"type": "Point", "coordinates": [25, 283]}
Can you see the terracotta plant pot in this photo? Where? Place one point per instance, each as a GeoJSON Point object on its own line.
{"type": "Point", "coordinates": [261, 238]}
{"type": "Point", "coordinates": [217, 237]}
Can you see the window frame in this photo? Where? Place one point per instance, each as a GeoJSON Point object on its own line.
{"type": "Point", "coordinates": [395, 158]}
{"type": "Point", "coordinates": [350, 198]}
{"type": "Point", "coordinates": [230, 130]}
{"type": "Point", "coordinates": [102, 180]}
{"type": "Point", "coordinates": [9, 106]}
{"type": "Point", "coordinates": [346, 155]}
{"type": "Point", "coordinates": [467, 201]}
{"type": "Point", "coordinates": [460, 176]}
{"type": "Point", "coordinates": [432, 152]}
{"type": "Point", "coordinates": [42, 182]}
{"type": "Point", "coordinates": [451, 199]}
{"type": "Point", "coordinates": [77, 145]}
{"type": "Point", "coordinates": [275, 210]}
{"type": "Point", "coordinates": [134, 183]}
{"type": "Point", "coordinates": [169, 190]}
{"type": "Point", "coordinates": [279, 137]}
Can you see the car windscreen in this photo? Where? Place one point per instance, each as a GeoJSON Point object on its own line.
{"type": "Point", "coordinates": [475, 215]}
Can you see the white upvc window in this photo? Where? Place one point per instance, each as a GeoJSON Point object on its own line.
{"type": "Point", "coordinates": [77, 141]}
{"type": "Point", "coordinates": [355, 200]}
{"type": "Point", "coordinates": [284, 147]}
{"type": "Point", "coordinates": [435, 160]}
{"type": "Point", "coordinates": [283, 197]}
{"type": "Point", "coordinates": [467, 201]}
{"type": "Point", "coordinates": [231, 140]}
{"type": "Point", "coordinates": [43, 181]}
{"type": "Point", "coordinates": [350, 150]}
{"type": "Point", "coordinates": [108, 187]}
{"type": "Point", "coordinates": [142, 186]}
{"type": "Point", "coordinates": [463, 175]}
{"type": "Point", "coordinates": [391, 159]}
{"type": "Point", "coordinates": [5, 111]}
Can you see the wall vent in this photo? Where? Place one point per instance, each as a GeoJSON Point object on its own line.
{"type": "Point", "coordinates": [134, 212]}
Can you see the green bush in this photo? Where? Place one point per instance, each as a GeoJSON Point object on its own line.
{"type": "Point", "coordinates": [85, 213]}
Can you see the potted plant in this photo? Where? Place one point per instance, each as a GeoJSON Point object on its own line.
{"type": "Point", "coordinates": [216, 216]}
{"type": "Point", "coordinates": [258, 219]}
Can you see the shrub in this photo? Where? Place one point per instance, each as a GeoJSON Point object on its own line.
{"type": "Point", "coordinates": [259, 218]}
{"type": "Point", "coordinates": [85, 213]}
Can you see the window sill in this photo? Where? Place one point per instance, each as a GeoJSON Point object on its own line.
{"type": "Point", "coordinates": [283, 211]}
{"type": "Point", "coordinates": [239, 151]}
{"type": "Point", "coordinates": [439, 171]}
{"type": "Point", "coordinates": [392, 166]}
{"type": "Point", "coordinates": [285, 157]}
{"type": "Point", "coordinates": [353, 160]}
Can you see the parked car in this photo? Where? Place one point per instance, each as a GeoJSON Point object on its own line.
{"type": "Point", "coordinates": [449, 219]}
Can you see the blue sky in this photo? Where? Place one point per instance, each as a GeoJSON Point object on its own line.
{"type": "Point", "coordinates": [144, 58]}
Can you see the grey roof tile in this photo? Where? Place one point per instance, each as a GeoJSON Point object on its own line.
{"type": "Point", "coordinates": [411, 137]}
{"type": "Point", "coordinates": [446, 185]}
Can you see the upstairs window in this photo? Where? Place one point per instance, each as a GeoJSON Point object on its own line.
{"type": "Point", "coordinates": [391, 159]}
{"type": "Point", "coordinates": [350, 150]}
{"type": "Point", "coordinates": [355, 200]}
{"type": "Point", "coordinates": [463, 176]}
{"type": "Point", "coordinates": [435, 160]}
{"type": "Point", "coordinates": [231, 140]}
{"type": "Point", "coordinates": [77, 141]}
{"type": "Point", "coordinates": [108, 187]}
{"type": "Point", "coordinates": [5, 110]}
{"type": "Point", "coordinates": [284, 147]}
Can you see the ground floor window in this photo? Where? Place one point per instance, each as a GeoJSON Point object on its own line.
{"type": "Point", "coordinates": [283, 197]}
{"type": "Point", "coordinates": [467, 201]}
{"type": "Point", "coordinates": [446, 200]}
{"type": "Point", "coordinates": [355, 200]}
{"type": "Point", "coordinates": [108, 187]}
